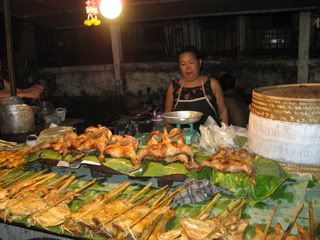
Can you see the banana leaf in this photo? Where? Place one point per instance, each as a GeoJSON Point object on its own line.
{"type": "Point", "coordinates": [268, 176]}
{"type": "Point", "coordinates": [124, 166]}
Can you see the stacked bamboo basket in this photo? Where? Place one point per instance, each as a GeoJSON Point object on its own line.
{"type": "Point", "coordinates": [284, 125]}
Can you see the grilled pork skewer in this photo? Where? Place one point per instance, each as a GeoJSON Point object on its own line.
{"type": "Point", "coordinates": [37, 201]}
{"type": "Point", "coordinates": [88, 211]}
{"type": "Point", "coordinates": [128, 213]}
{"type": "Point", "coordinates": [57, 211]}
{"type": "Point", "coordinates": [17, 186]}
{"type": "Point", "coordinates": [7, 202]}
{"type": "Point", "coordinates": [179, 234]}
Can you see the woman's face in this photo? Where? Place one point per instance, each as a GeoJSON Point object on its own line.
{"type": "Point", "coordinates": [189, 66]}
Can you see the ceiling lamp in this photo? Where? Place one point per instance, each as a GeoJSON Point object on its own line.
{"type": "Point", "coordinates": [110, 9]}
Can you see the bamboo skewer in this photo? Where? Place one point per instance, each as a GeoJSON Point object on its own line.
{"type": "Point", "coordinates": [266, 230]}
{"type": "Point", "coordinates": [46, 177]}
{"type": "Point", "coordinates": [136, 196]}
{"type": "Point", "coordinates": [5, 172]}
{"type": "Point", "coordinates": [167, 200]}
{"type": "Point", "coordinates": [290, 226]}
{"type": "Point", "coordinates": [39, 183]}
{"type": "Point", "coordinates": [233, 207]}
{"type": "Point", "coordinates": [159, 199]}
{"type": "Point", "coordinates": [311, 221]}
{"type": "Point", "coordinates": [108, 197]}
{"type": "Point", "coordinates": [16, 178]}
{"type": "Point", "coordinates": [67, 195]}
{"type": "Point", "coordinates": [210, 205]}
{"type": "Point", "coordinates": [154, 225]}
{"type": "Point", "coordinates": [138, 203]}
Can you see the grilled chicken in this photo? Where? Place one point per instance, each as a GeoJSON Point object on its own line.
{"type": "Point", "coordinates": [165, 149]}
{"type": "Point", "coordinates": [124, 146]}
{"type": "Point", "coordinates": [231, 160]}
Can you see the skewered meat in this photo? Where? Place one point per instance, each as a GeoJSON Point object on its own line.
{"type": "Point", "coordinates": [231, 160]}
{"type": "Point", "coordinates": [84, 216]}
{"type": "Point", "coordinates": [167, 150]}
{"type": "Point", "coordinates": [39, 201]}
{"type": "Point", "coordinates": [229, 228]}
{"type": "Point", "coordinates": [56, 210]}
{"type": "Point", "coordinates": [278, 233]}
{"type": "Point", "coordinates": [161, 225]}
{"type": "Point", "coordinates": [39, 186]}
{"type": "Point", "coordinates": [177, 234]}
{"type": "Point", "coordinates": [123, 222]}
{"type": "Point", "coordinates": [110, 210]}
{"type": "Point", "coordinates": [19, 185]}
{"type": "Point", "coordinates": [54, 216]}
{"type": "Point", "coordinates": [137, 230]}
{"type": "Point", "coordinates": [11, 158]}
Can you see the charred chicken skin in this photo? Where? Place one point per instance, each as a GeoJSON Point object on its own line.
{"type": "Point", "coordinates": [164, 148]}
{"type": "Point", "coordinates": [124, 146]}
{"type": "Point", "coordinates": [231, 160]}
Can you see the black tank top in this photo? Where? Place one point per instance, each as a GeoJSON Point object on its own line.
{"type": "Point", "coordinates": [183, 100]}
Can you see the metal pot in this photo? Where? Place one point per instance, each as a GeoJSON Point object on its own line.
{"type": "Point", "coordinates": [11, 101]}
{"type": "Point", "coordinates": [16, 119]}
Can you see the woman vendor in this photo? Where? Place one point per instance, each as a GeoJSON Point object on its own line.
{"type": "Point", "coordinates": [194, 91]}
{"type": "Point", "coordinates": [31, 92]}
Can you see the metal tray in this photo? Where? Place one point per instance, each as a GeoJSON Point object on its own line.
{"type": "Point", "coordinates": [182, 117]}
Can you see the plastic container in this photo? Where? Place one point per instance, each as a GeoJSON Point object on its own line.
{"type": "Point", "coordinates": [61, 112]}
{"type": "Point", "coordinates": [157, 120]}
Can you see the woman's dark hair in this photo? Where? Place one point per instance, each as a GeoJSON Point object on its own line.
{"type": "Point", "coordinates": [190, 49]}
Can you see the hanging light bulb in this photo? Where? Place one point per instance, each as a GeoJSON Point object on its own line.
{"type": "Point", "coordinates": [110, 9]}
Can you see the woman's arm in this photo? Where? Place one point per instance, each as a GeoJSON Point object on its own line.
{"type": "Point", "coordinates": [31, 92]}
{"type": "Point", "coordinates": [222, 108]}
{"type": "Point", "coordinates": [169, 99]}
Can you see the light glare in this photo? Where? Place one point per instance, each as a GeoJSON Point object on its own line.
{"type": "Point", "coordinates": [110, 9]}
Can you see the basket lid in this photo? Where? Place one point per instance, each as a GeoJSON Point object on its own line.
{"type": "Point", "coordinates": [298, 103]}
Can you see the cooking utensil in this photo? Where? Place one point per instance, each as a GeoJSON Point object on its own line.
{"type": "Point", "coordinates": [182, 117]}
{"type": "Point", "coordinates": [15, 117]}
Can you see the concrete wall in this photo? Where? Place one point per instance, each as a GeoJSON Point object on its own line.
{"type": "Point", "coordinates": [91, 90]}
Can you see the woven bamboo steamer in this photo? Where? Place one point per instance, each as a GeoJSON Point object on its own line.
{"type": "Point", "coordinates": [298, 103]}
{"type": "Point", "coordinates": [301, 168]}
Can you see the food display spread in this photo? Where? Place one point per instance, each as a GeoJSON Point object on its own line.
{"type": "Point", "coordinates": [229, 194]}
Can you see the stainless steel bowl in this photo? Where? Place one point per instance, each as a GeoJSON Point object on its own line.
{"type": "Point", "coordinates": [182, 117]}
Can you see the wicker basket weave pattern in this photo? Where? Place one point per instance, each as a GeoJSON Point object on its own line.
{"type": "Point", "coordinates": [287, 108]}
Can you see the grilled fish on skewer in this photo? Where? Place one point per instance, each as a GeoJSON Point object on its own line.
{"type": "Point", "coordinates": [56, 211]}
{"type": "Point", "coordinates": [90, 210]}
{"type": "Point", "coordinates": [26, 192]}
{"type": "Point", "coordinates": [132, 211]}
{"type": "Point", "coordinates": [139, 228]}
{"type": "Point", "coordinates": [20, 184]}
{"type": "Point", "coordinates": [38, 202]}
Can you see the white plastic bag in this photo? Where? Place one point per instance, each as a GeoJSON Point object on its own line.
{"type": "Point", "coordinates": [214, 137]}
